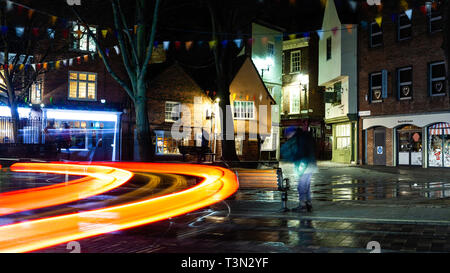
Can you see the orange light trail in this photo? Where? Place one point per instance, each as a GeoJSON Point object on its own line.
{"type": "Point", "coordinates": [218, 184]}
{"type": "Point", "coordinates": [99, 179]}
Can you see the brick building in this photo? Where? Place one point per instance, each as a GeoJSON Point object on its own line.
{"type": "Point", "coordinates": [302, 99]}
{"type": "Point", "coordinates": [403, 96]}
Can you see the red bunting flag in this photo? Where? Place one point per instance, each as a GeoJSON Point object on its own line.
{"type": "Point", "coordinates": [30, 13]}
{"type": "Point", "coordinates": [35, 31]}
{"type": "Point", "coordinates": [65, 33]}
{"type": "Point", "coordinates": [177, 44]}
{"type": "Point", "coordinates": [19, 9]}
{"type": "Point", "coordinates": [78, 60]}
{"type": "Point", "coordinates": [335, 29]}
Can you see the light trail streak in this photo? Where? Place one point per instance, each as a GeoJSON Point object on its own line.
{"type": "Point", "coordinates": [99, 179]}
{"type": "Point", "coordinates": [218, 184]}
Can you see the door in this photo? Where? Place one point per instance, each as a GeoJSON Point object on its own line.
{"type": "Point", "coordinates": [379, 154]}
{"type": "Point", "coordinates": [410, 146]}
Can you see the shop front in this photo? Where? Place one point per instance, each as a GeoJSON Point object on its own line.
{"type": "Point", "coordinates": [410, 140]}
{"type": "Point", "coordinates": [94, 135]}
{"type": "Point", "coordinates": [439, 145]}
{"type": "Point", "coordinates": [409, 146]}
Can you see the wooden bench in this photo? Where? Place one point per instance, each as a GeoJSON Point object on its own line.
{"type": "Point", "coordinates": [270, 179]}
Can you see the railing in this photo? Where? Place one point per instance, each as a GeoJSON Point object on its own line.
{"type": "Point", "coordinates": [30, 131]}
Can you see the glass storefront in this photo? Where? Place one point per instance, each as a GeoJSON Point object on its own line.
{"type": "Point", "coordinates": [410, 146]}
{"type": "Point", "coordinates": [439, 145]}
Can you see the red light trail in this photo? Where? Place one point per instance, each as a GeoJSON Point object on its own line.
{"type": "Point", "coordinates": [218, 184]}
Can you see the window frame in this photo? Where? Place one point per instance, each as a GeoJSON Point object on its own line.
{"type": "Point", "coordinates": [87, 85]}
{"type": "Point", "coordinates": [372, 34]}
{"type": "Point", "coordinates": [291, 101]}
{"type": "Point", "coordinates": [399, 27]}
{"type": "Point", "coordinates": [164, 135]}
{"type": "Point", "coordinates": [399, 84]}
{"type": "Point", "coordinates": [434, 16]}
{"type": "Point", "coordinates": [270, 49]}
{"type": "Point", "coordinates": [33, 97]}
{"type": "Point", "coordinates": [239, 115]}
{"type": "Point", "coordinates": [77, 41]}
{"type": "Point", "coordinates": [431, 79]}
{"type": "Point", "coordinates": [174, 104]}
{"type": "Point", "coordinates": [330, 47]}
{"type": "Point", "coordinates": [292, 62]}
{"type": "Point", "coordinates": [372, 87]}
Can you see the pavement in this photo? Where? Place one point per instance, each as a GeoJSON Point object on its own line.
{"type": "Point", "coordinates": [400, 209]}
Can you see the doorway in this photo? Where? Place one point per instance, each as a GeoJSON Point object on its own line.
{"type": "Point", "coordinates": [409, 146]}
{"type": "Point", "coordinates": [379, 153]}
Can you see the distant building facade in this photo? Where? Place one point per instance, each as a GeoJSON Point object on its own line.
{"type": "Point", "coordinates": [403, 95]}
{"type": "Point", "coordinates": [302, 99]}
{"type": "Point", "coordinates": [338, 75]}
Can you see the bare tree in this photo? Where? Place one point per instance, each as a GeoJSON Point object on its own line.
{"type": "Point", "coordinates": [18, 51]}
{"type": "Point", "coordinates": [135, 41]}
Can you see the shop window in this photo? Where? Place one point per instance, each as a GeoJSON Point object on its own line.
{"type": "Point", "coordinates": [172, 111]}
{"type": "Point", "coordinates": [410, 145]}
{"type": "Point", "coordinates": [295, 61]}
{"type": "Point", "coordinates": [244, 109]}
{"type": "Point", "coordinates": [439, 145]}
{"type": "Point", "coordinates": [404, 83]}
{"type": "Point", "coordinates": [436, 79]}
{"type": "Point", "coordinates": [404, 27]}
{"type": "Point", "coordinates": [166, 145]}
{"type": "Point", "coordinates": [343, 136]}
{"type": "Point", "coordinates": [81, 40]}
{"type": "Point", "coordinates": [376, 35]}
{"type": "Point", "coordinates": [82, 86]}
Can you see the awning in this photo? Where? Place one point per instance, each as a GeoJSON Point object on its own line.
{"type": "Point", "coordinates": [440, 128]}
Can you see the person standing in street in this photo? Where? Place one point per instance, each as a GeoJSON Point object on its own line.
{"type": "Point", "coordinates": [300, 148]}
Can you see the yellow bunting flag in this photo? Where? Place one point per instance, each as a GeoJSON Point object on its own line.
{"type": "Point", "coordinates": [379, 19]}
{"type": "Point", "coordinates": [54, 18]}
{"type": "Point", "coordinates": [86, 58]}
{"type": "Point", "coordinates": [21, 66]}
{"type": "Point", "coordinates": [212, 44]}
{"type": "Point", "coordinates": [11, 67]}
{"type": "Point", "coordinates": [104, 33]}
{"type": "Point", "coordinates": [45, 65]}
{"type": "Point", "coordinates": [188, 45]}
{"type": "Point", "coordinates": [246, 98]}
{"type": "Point", "coordinates": [234, 96]}
{"type": "Point", "coordinates": [292, 36]}
{"type": "Point", "coordinates": [135, 28]}
{"type": "Point", "coordinates": [404, 4]}
{"type": "Point", "coordinates": [30, 13]}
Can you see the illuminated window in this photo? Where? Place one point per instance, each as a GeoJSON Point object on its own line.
{"type": "Point", "coordinates": [294, 101]}
{"type": "Point", "coordinates": [81, 39]}
{"type": "Point", "coordinates": [238, 145]}
{"type": "Point", "coordinates": [36, 92]}
{"type": "Point", "coordinates": [172, 112]}
{"type": "Point", "coordinates": [165, 144]}
{"type": "Point", "coordinates": [295, 61]}
{"type": "Point", "coordinates": [244, 109]}
{"type": "Point", "coordinates": [343, 136]}
{"type": "Point", "coordinates": [82, 86]}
